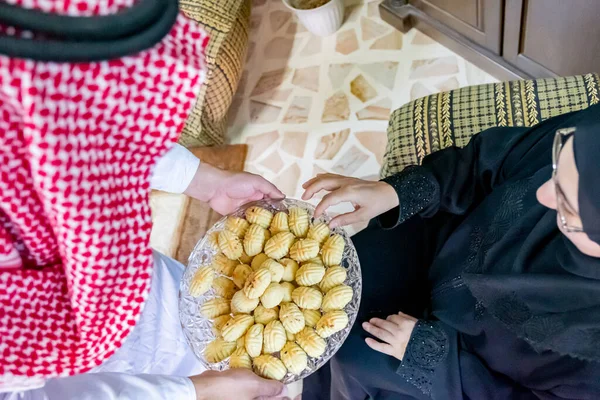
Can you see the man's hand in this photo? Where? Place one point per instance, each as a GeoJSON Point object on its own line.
{"type": "Point", "coordinates": [225, 191]}
{"type": "Point", "coordinates": [236, 384]}
{"type": "Point", "coordinates": [394, 332]}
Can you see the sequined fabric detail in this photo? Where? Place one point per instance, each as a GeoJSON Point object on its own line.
{"type": "Point", "coordinates": [415, 189]}
{"type": "Point", "coordinates": [479, 311]}
{"type": "Point", "coordinates": [427, 347]}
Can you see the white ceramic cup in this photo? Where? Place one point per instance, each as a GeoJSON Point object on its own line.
{"type": "Point", "coordinates": [321, 21]}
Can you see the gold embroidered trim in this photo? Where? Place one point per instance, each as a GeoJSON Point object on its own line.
{"type": "Point", "coordinates": [419, 134]}
{"type": "Point", "coordinates": [532, 113]}
{"type": "Point", "coordinates": [590, 84]}
{"type": "Point", "coordinates": [445, 117]}
{"type": "Point", "coordinates": [500, 104]}
{"type": "Point", "coordinates": [516, 103]}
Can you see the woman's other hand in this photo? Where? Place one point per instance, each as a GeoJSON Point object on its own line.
{"type": "Point", "coordinates": [239, 384]}
{"type": "Point", "coordinates": [225, 191]}
{"type": "Point", "coordinates": [369, 199]}
{"type": "Point", "coordinates": [394, 333]}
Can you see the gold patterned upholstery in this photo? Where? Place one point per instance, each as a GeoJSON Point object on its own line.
{"type": "Point", "coordinates": [451, 118]}
{"type": "Point", "coordinates": [226, 22]}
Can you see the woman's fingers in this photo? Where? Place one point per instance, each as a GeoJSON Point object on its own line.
{"type": "Point", "coordinates": [329, 200]}
{"type": "Point", "coordinates": [396, 319]}
{"type": "Point", "coordinates": [384, 324]}
{"type": "Point", "coordinates": [380, 347]}
{"type": "Point", "coordinates": [379, 333]}
{"type": "Point", "coordinates": [325, 182]}
{"type": "Point", "coordinates": [347, 218]}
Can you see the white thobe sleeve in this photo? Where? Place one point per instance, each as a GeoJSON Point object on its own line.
{"type": "Point", "coordinates": [175, 170]}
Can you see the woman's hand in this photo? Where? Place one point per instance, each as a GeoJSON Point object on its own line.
{"type": "Point", "coordinates": [394, 333]}
{"type": "Point", "coordinates": [369, 199]}
{"type": "Point", "coordinates": [225, 191]}
{"type": "Point", "coordinates": [239, 384]}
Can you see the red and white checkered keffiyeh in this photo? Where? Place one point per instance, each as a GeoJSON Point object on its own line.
{"type": "Point", "coordinates": [77, 144]}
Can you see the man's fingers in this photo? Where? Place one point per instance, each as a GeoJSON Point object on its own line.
{"type": "Point", "coordinates": [267, 389]}
{"type": "Point", "coordinates": [380, 347]}
{"type": "Point", "coordinates": [269, 189]}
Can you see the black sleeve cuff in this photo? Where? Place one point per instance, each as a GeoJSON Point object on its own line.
{"type": "Point", "coordinates": [426, 349]}
{"type": "Point", "coordinates": [416, 189]}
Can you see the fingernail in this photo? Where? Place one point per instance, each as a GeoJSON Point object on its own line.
{"type": "Point", "coordinates": [365, 325]}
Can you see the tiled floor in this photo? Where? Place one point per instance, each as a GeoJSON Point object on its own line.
{"type": "Point", "coordinates": [308, 104]}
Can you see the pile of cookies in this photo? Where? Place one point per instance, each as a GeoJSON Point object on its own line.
{"type": "Point", "coordinates": [281, 291]}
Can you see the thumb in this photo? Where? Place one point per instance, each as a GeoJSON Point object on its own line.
{"type": "Point", "coordinates": [267, 388]}
{"type": "Point", "coordinates": [268, 188]}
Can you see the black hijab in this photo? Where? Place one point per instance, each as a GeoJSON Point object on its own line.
{"type": "Point", "coordinates": [549, 295]}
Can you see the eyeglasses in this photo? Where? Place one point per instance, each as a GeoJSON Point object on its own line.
{"type": "Point", "coordinates": [564, 213]}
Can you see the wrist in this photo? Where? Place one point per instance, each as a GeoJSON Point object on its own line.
{"type": "Point", "coordinates": [206, 182]}
{"type": "Point", "coordinates": [202, 384]}
{"type": "Point", "coordinates": [389, 195]}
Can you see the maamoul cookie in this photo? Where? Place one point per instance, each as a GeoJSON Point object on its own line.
{"type": "Point", "coordinates": [257, 283]}
{"type": "Point", "coordinates": [331, 322]}
{"type": "Point", "coordinates": [258, 260]}
{"type": "Point", "coordinates": [275, 268]}
{"type": "Point", "coordinates": [333, 276]}
{"type": "Point", "coordinates": [254, 340]}
{"type": "Point", "coordinates": [279, 245]}
{"type": "Point", "coordinates": [224, 287]}
{"type": "Point", "coordinates": [201, 281]}
{"type": "Point", "coordinates": [333, 250]}
{"type": "Point", "coordinates": [279, 223]}
{"type": "Point", "coordinates": [291, 317]}
{"type": "Point", "coordinates": [307, 297]}
{"type": "Point", "coordinates": [294, 358]}
{"type": "Point", "coordinates": [223, 265]}
{"type": "Point", "coordinates": [259, 216]}
{"type": "Point", "coordinates": [264, 315]}
{"type": "Point", "coordinates": [272, 296]}
{"type": "Point", "coordinates": [289, 269]}
{"type": "Point", "coordinates": [337, 298]}
{"type": "Point", "coordinates": [311, 317]}
{"type": "Point", "coordinates": [230, 245]}
{"type": "Point", "coordinates": [255, 239]}
{"type": "Point", "coordinates": [240, 303]}
{"type": "Point", "coordinates": [240, 274]}
{"type": "Point", "coordinates": [240, 359]}
{"type": "Point", "coordinates": [298, 220]}
{"type": "Point", "coordinates": [313, 344]}
{"type": "Point", "coordinates": [269, 367]}
{"type": "Point", "coordinates": [318, 232]}
{"type": "Point", "coordinates": [218, 324]}
{"type": "Point", "coordinates": [214, 308]}
{"type": "Point", "coordinates": [310, 274]}
{"type": "Point", "coordinates": [304, 250]}
{"type": "Point", "coordinates": [236, 327]}
{"type": "Point", "coordinates": [237, 225]}
{"type": "Point", "coordinates": [218, 350]}
{"type": "Point", "coordinates": [288, 288]}
{"type": "Point", "coordinates": [274, 337]}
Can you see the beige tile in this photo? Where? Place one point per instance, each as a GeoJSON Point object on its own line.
{"type": "Point", "coordinates": [270, 80]}
{"type": "Point", "coordinates": [353, 13]}
{"type": "Point", "coordinates": [298, 110]}
{"type": "Point", "coordinates": [255, 23]}
{"type": "Point", "coordinates": [433, 67]}
{"type": "Point", "coordinates": [448, 84]}
{"type": "Point", "coordinates": [382, 72]}
{"type": "Point", "coordinates": [371, 29]}
{"type": "Point", "coordinates": [259, 143]}
{"type": "Point", "coordinates": [287, 181]}
{"type": "Point", "coordinates": [360, 88]}
{"type": "Point", "coordinates": [346, 42]}
{"type": "Point", "coordinates": [262, 113]}
{"type": "Point", "coordinates": [307, 78]}
{"type": "Point", "coordinates": [294, 143]}
{"type": "Point", "coordinates": [273, 162]}
{"type": "Point", "coordinates": [278, 95]}
{"type": "Point", "coordinates": [377, 111]}
{"type": "Point", "coordinates": [318, 170]}
{"type": "Point", "coordinates": [419, 90]}
{"type": "Point", "coordinates": [422, 39]}
{"type": "Point", "coordinates": [331, 144]}
{"type": "Point", "coordinates": [292, 28]}
{"type": "Point", "coordinates": [250, 53]}
{"type": "Point", "coordinates": [350, 161]}
{"type": "Point", "coordinates": [258, 3]}
{"type": "Point", "coordinates": [338, 73]}
{"type": "Point", "coordinates": [375, 142]}
{"type": "Point", "coordinates": [278, 19]}
{"type": "Point", "coordinates": [312, 47]}
{"type": "Point", "coordinates": [393, 41]}
{"type": "Point", "coordinates": [373, 9]}
{"type": "Point", "coordinates": [337, 108]}
{"type": "Point", "coordinates": [234, 110]}
{"type": "Point", "coordinates": [278, 48]}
